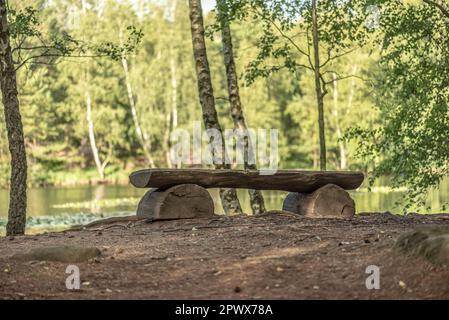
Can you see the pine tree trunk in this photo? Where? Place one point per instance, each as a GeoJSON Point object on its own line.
{"type": "Point", "coordinates": [318, 87]}
{"type": "Point", "coordinates": [230, 202]}
{"type": "Point", "coordinates": [256, 197]}
{"type": "Point", "coordinates": [17, 196]}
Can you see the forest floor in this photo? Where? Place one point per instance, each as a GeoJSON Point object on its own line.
{"type": "Point", "coordinates": [276, 255]}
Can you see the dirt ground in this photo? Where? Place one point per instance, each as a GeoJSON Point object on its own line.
{"type": "Point", "coordinates": [273, 256]}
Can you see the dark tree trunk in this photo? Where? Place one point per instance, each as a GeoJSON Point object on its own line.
{"type": "Point", "coordinates": [230, 202]}
{"type": "Point", "coordinates": [256, 198]}
{"type": "Point", "coordinates": [318, 87]}
{"type": "Point", "coordinates": [18, 196]}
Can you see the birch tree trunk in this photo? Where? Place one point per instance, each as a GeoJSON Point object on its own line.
{"type": "Point", "coordinates": [174, 86]}
{"type": "Point", "coordinates": [101, 166]}
{"type": "Point", "coordinates": [318, 87]}
{"type": "Point", "coordinates": [8, 82]}
{"type": "Point", "coordinates": [352, 91]}
{"type": "Point", "coordinates": [230, 202]}
{"type": "Point", "coordinates": [166, 143]}
{"type": "Point", "coordinates": [256, 197]}
{"type": "Point", "coordinates": [146, 145]}
{"type": "Point", "coordinates": [336, 115]}
{"type": "Point", "coordinates": [173, 116]}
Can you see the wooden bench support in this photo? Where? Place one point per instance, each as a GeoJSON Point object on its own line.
{"type": "Point", "coordinates": [184, 201]}
{"type": "Point", "coordinates": [329, 201]}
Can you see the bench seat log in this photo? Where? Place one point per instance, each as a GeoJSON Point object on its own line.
{"type": "Point", "coordinates": [286, 180]}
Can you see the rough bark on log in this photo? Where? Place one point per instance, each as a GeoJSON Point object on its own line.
{"type": "Point", "coordinates": [179, 202]}
{"type": "Point", "coordinates": [326, 202]}
{"type": "Point", "coordinates": [287, 180]}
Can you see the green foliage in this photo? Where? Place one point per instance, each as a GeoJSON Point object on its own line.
{"type": "Point", "coordinates": [412, 94]}
{"type": "Point", "coordinates": [391, 101]}
{"type": "Point", "coordinates": [115, 52]}
{"type": "Point", "coordinates": [57, 139]}
{"type": "Point", "coordinates": [23, 23]}
{"type": "Point", "coordinates": [285, 38]}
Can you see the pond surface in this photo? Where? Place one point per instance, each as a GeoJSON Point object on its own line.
{"type": "Point", "coordinates": [54, 207]}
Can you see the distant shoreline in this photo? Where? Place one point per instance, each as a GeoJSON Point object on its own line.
{"type": "Point", "coordinates": [71, 178]}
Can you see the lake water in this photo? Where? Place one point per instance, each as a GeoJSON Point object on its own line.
{"type": "Point", "coordinates": [57, 207]}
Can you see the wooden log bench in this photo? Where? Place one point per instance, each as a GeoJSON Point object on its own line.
{"type": "Point", "coordinates": [181, 193]}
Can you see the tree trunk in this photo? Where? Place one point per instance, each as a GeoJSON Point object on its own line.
{"type": "Point", "coordinates": [146, 146]}
{"type": "Point", "coordinates": [84, 6]}
{"type": "Point", "coordinates": [174, 86]}
{"type": "Point", "coordinates": [17, 196]}
{"type": "Point", "coordinates": [318, 87]}
{"type": "Point", "coordinates": [315, 153]}
{"type": "Point", "coordinates": [335, 113]}
{"type": "Point", "coordinates": [230, 202]}
{"type": "Point", "coordinates": [166, 140]}
{"type": "Point", "coordinates": [172, 116]}
{"type": "Point", "coordinates": [93, 145]}
{"type": "Point", "coordinates": [256, 197]}
{"type": "Point", "coordinates": [352, 91]}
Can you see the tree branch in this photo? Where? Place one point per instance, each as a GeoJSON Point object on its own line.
{"type": "Point", "coordinates": [338, 78]}
{"type": "Point", "coordinates": [330, 58]}
{"type": "Point", "coordinates": [439, 6]}
{"type": "Point", "coordinates": [57, 56]}
{"type": "Point", "coordinates": [282, 33]}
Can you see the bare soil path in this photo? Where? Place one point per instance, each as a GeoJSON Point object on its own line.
{"type": "Point", "coordinates": [273, 256]}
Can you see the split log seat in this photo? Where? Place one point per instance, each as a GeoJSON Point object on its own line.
{"type": "Point", "coordinates": [181, 193]}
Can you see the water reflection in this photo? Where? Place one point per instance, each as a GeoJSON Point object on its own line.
{"type": "Point", "coordinates": [94, 199]}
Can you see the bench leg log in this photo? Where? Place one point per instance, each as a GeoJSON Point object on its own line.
{"type": "Point", "coordinates": [184, 201]}
{"type": "Point", "coordinates": [330, 201]}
